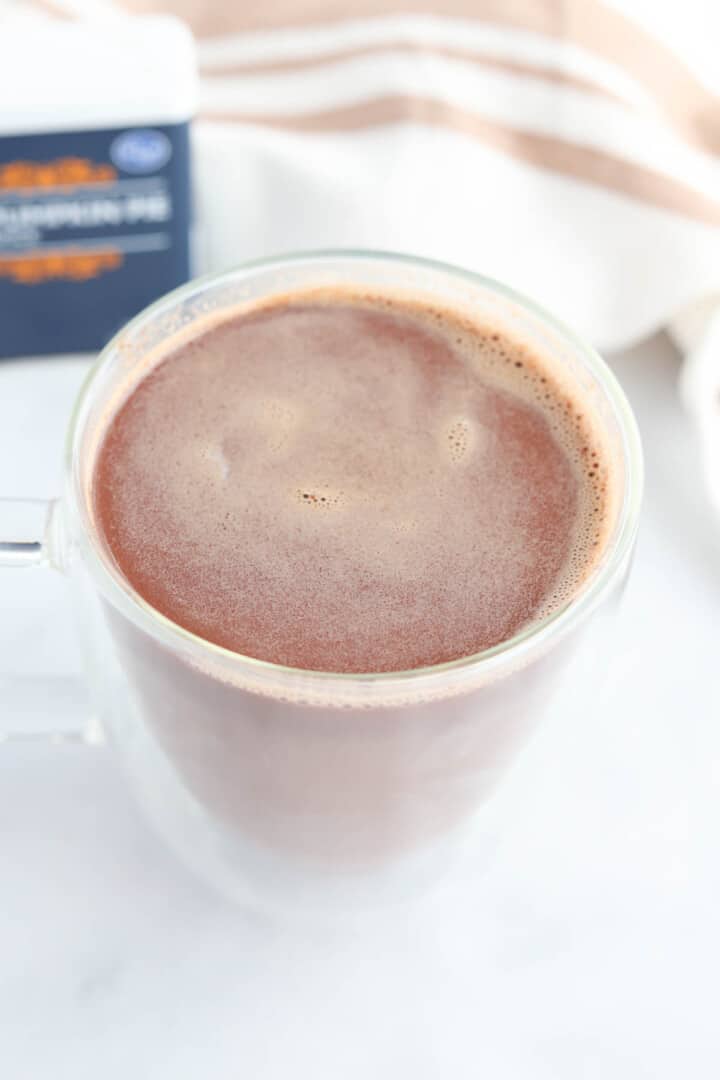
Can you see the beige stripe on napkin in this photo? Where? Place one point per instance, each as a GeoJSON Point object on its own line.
{"type": "Point", "coordinates": [559, 155]}
{"type": "Point", "coordinates": [419, 49]}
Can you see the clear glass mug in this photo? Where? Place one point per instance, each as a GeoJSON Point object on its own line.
{"type": "Point", "coordinates": [290, 788]}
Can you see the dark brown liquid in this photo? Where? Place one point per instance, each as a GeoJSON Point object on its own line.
{"type": "Point", "coordinates": [351, 485]}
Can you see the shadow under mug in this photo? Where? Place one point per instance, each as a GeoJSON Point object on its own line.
{"type": "Point", "coordinates": [289, 788]}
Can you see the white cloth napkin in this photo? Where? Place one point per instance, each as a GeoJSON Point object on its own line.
{"type": "Point", "coordinates": [568, 147]}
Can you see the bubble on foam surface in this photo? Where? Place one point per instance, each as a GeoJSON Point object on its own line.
{"type": "Point", "coordinates": [353, 485]}
{"type": "Point", "coordinates": [461, 437]}
{"type": "Point", "coordinates": [316, 497]}
{"type": "Point", "coordinates": [215, 455]}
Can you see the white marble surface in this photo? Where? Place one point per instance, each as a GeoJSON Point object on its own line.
{"type": "Point", "coordinates": [589, 950]}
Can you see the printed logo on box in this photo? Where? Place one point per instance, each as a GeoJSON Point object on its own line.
{"type": "Point", "coordinates": [142, 151]}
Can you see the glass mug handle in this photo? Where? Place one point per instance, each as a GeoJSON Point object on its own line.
{"type": "Point", "coordinates": [27, 532]}
{"type": "Point", "coordinates": [31, 536]}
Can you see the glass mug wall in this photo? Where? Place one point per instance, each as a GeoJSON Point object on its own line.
{"type": "Point", "coordinates": [283, 786]}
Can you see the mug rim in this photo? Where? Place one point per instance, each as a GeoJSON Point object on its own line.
{"type": "Point", "coordinates": [535, 633]}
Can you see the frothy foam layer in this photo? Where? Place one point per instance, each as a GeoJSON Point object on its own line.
{"type": "Point", "coordinates": [352, 484]}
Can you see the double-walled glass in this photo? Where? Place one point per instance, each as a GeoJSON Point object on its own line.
{"type": "Point", "coordinates": [291, 787]}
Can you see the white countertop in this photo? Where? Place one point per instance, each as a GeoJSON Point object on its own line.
{"type": "Point", "coordinates": [588, 951]}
